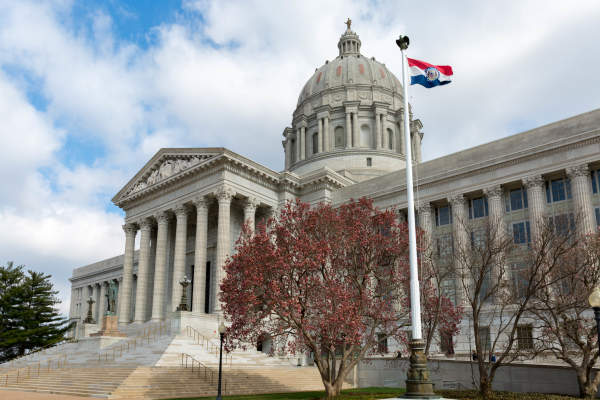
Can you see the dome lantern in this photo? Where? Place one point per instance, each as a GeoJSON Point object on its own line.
{"type": "Point", "coordinates": [349, 43]}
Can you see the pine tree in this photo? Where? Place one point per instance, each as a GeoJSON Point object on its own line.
{"type": "Point", "coordinates": [29, 319]}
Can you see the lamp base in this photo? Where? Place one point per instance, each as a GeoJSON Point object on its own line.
{"type": "Point", "coordinates": [418, 385]}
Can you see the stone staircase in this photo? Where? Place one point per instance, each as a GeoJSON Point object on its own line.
{"type": "Point", "coordinates": [153, 369]}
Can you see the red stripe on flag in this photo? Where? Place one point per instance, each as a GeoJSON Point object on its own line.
{"type": "Point", "coordinates": [444, 69]}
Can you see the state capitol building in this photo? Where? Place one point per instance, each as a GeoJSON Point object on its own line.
{"type": "Point", "coordinates": [345, 140]}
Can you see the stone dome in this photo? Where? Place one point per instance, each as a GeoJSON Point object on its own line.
{"type": "Point", "coordinates": [349, 118]}
{"type": "Point", "coordinates": [349, 68]}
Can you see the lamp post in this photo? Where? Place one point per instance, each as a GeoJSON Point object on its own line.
{"type": "Point", "coordinates": [90, 319]}
{"type": "Point", "coordinates": [594, 300]}
{"type": "Point", "coordinates": [184, 282]}
{"type": "Point", "coordinates": [222, 329]}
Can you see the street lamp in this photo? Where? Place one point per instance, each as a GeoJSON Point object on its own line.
{"type": "Point", "coordinates": [594, 300]}
{"type": "Point", "coordinates": [184, 282]}
{"type": "Point", "coordinates": [222, 329]}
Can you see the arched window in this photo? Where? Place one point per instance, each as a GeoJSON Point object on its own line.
{"type": "Point", "coordinates": [339, 137]}
{"type": "Point", "coordinates": [365, 136]}
{"type": "Point", "coordinates": [315, 143]}
{"type": "Point", "coordinates": [390, 134]}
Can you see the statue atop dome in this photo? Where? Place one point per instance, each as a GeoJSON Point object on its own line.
{"type": "Point", "coordinates": [348, 23]}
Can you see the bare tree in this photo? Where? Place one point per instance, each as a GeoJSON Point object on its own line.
{"type": "Point", "coordinates": [482, 265]}
{"type": "Point", "coordinates": [567, 328]}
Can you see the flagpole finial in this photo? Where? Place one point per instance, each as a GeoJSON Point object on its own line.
{"type": "Point", "coordinates": [403, 42]}
{"type": "Point", "coordinates": [348, 23]}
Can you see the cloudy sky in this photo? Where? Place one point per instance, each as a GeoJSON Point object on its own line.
{"type": "Point", "coordinates": [89, 91]}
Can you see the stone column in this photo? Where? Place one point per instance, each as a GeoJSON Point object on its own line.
{"type": "Point", "coordinates": [141, 295]}
{"type": "Point", "coordinates": [497, 226]}
{"type": "Point", "coordinates": [378, 131]}
{"type": "Point", "coordinates": [401, 144]}
{"type": "Point", "coordinates": [384, 135]}
{"type": "Point", "coordinates": [288, 153]}
{"type": "Point", "coordinates": [536, 203]}
{"type": "Point", "coordinates": [461, 241]}
{"type": "Point", "coordinates": [327, 146]}
{"type": "Point", "coordinates": [417, 146]}
{"type": "Point", "coordinates": [181, 213]}
{"type": "Point", "coordinates": [426, 223]}
{"type": "Point", "coordinates": [160, 268]}
{"type": "Point", "coordinates": [302, 142]}
{"type": "Point", "coordinates": [298, 144]}
{"type": "Point", "coordinates": [125, 291]}
{"type": "Point", "coordinates": [102, 301]}
{"type": "Point", "coordinates": [250, 213]}
{"type": "Point", "coordinates": [348, 130]}
{"type": "Point", "coordinates": [200, 254]}
{"type": "Point", "coordinates": [355, 138]}
{"type": "Point", "coordinates": [582, 191]}
{"type": "Point", "coordinates": [95, 305]}
{"type": "Point", "coordinates": [224, 196]}
{"type": "Point", "coordinates": [320, 136]}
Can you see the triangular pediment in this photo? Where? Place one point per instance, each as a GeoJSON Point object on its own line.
{"type": "Point", "coordinates": [166, 165]}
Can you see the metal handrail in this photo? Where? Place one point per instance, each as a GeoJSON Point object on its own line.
{"type": "Point", "coordinates": [31, 370]}
{"type": "Point", "coordinates": [209, 373]}
{"type": "Point", "coordinates": [150, 333]}
{"type": "Point", "coordinates": [203, 341]}
{"type": "Point", "coordinates": [11, 363]}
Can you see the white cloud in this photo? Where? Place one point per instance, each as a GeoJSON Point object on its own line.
{"type": "Point", "coordinates": [228, 73]}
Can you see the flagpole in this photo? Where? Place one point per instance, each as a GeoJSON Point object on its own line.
{"type": "Point", "coordinates": [418, 384]}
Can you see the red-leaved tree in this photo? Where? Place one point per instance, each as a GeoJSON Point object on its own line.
{"type": "Point", "coordinates": [327, 280]}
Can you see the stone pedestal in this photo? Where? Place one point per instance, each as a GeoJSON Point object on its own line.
{"type": "Point", "coordinates": [418, 384]}
{"type": "Point", "coordinates": [109, 327]}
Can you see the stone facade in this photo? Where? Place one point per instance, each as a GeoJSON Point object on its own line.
{"type": "Point", "coordinates": [189, 204]}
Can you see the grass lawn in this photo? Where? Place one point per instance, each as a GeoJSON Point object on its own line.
{"type": "Point", "coordinates": [385, 392]}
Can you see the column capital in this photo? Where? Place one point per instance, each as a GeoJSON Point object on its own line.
{"type": "Point", "coordinates": [224, 194]}
{"type": "Point", "coordinates": [181, 210]}
{"type": "Point", "coordinates": [130, 228]}
{"type": "Point", "coordinates": [424, 208]}
{"type": "Point", "coordinates": [533, 181]}
{"type": "Point", "coordinates": [200, 202]}
{"type": "Point", "coordinates": [162, 217]}
{"type": "Point", "coordinates": [145, 224]}
{"type": "Point", "coordinates": [494, 191]}
{"type": "Point", "coordinates": [457, 200]}
{"type": "Point", "coordinates": [251, 203]}
{"type": "Point", "coordinates": [578, 170]}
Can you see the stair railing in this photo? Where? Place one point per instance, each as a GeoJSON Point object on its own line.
{"type": "Point", "coordinates": [209, 374]}
{"type": "Point", "coordinates": [33, 370]}
{"type": "Point", "coordinates": [207, 344]}
{"type": "Point", "coordinates": [146, 336]}
{"type": "Point", "coordinates": [10, 364]}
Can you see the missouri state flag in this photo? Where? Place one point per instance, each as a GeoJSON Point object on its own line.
{"type": "Point", "coordinates": [428, 75]}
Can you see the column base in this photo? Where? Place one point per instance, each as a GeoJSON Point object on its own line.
{"type": "Point", "coordinates": [418, 385]}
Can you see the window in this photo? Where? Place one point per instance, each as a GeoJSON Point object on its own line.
{"type": "Point", "coordinates": [315, 143]}
{"type": "Point", "coordinates": [339, 137]}
{"type": "Point", "coordinates": [390, 134]}
{"type": "Point", "coordinates": [558, 190]}
{"type": "Point", "coordinates": [365, 136]}
{"type": "Point", "coordinates": [448, 288]}
{"type": "Point", "coordinates": [524, 337]}
{"type": "Point", "coordinates": [443, 215]}
{"type": "Point", "coordinates": [516, 199]}
{"type": "Point", "coordinates": [521, 232]}
{"type": "Point", "coordinates": [595, 180]}
{"type": "Point", "coordinates": [478, 239]}
{"type": "Point", "coordinates": [478, 207]}
{"type": "Point", "coordinates": [520, 281]}
{"type": "Point", "coordinates": [369, 162]}
{"type": "Point", "coordinates": [382, 344]}
{"type": "Point", "coordinates": [485, 342]}
{"type": "Point", "coordinates": [484, 292]}
{"type": "Point", "coordinates": [444, 246]}
{"type": "Point", "coordinates": [446, 343]}
{"type": "Point", "coordinates": [598, 216]}
{"type": "Point", "coordinates": [563, 223]}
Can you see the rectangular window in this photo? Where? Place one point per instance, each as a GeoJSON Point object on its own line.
{"type": "Point", "coordinates": [444, 246]}
{"type": "Point", "coordinates": [598, 216]}
{"type": "Point", "coordinates": [558, 190]}
{"type": "Point", "coordinates": [484, 293]}
{"type": "Point", "coordinates": [521, 232]}
{"type": "Point", "coordinates": [382, 344]}
{"type": "Point", "coordinates": [478, 239]}
{"type": "Point", "coordinates": [520, 281]}
{"type": "Point", "coordinates": [446, 343]}
{"type": "Point", "coordinates": [478, 207]}
{"type": "Point", "coordinates": [595, 182]}
{"type": "Point", "coordinates": [315, 143]}
{"type": "Point", "coordinates": [517, 199]}
{"type": "Point", "coordinates": [524, 337]}
{"type": "Point", "coordinates": [563, 223]}
{"type": "Point", "coordinates": [485, 342]}
{"type": "Point", "coordinates": [443, 216]}
{"type": "Point", "coordinates": [448, 288]}
{"type": "Point", "coordinates": [369, 162]}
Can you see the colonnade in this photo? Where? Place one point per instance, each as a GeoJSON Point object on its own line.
{"type": "Point", "coordinates": [153, 264]}
{"type": "Point", "coordinates": [581, 189]}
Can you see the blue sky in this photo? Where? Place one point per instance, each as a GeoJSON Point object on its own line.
{"type": "Point", "coordinates": [89, 91]}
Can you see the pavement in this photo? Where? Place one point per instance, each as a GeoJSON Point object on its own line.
{"type": "Point", "coordinates": [18, 395]}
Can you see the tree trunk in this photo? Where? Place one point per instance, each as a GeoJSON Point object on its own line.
{"type": "Point", "coordinates": [587, 386]}
{"type": "Point", "coordinates": [485, 388]}
{"type": "Point", "coordinates": [333, 388]}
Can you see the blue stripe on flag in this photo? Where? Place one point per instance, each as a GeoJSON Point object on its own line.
{"type": "Point", "coordinates": [422, 80]}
